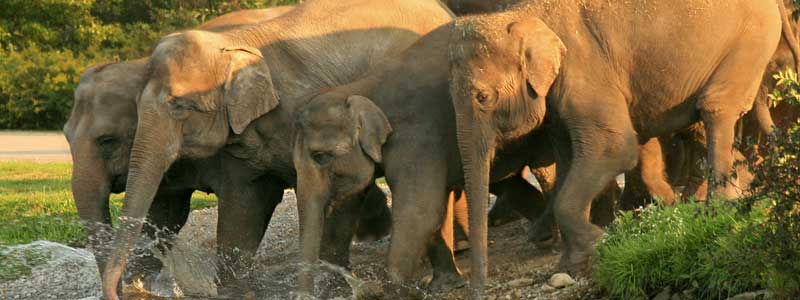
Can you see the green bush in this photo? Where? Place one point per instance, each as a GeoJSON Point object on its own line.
{"type": "Point", "coordinates": [687, 247]}
{"type": "Point", "coordinates": [720, 250]}
{"type": "Point", "coordinates": [778, 176]}
{"type": "Point", "coordinates": [46, 44]}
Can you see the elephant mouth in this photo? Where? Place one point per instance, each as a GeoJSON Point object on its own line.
{"type": "Point", "coordinates": [118, 183]}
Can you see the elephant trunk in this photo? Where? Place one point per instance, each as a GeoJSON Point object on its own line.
{"type": "Point", "coordinates": [475, 148]}
{"type": "Point", "coordinates": [154, 149]}
{"type": "Point", "coordinates": [91, 186]}
{"type": "Point", "coordinates": [311, 206]}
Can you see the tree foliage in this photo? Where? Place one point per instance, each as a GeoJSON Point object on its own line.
{"type": "Point", "coordinates": [46, 44]}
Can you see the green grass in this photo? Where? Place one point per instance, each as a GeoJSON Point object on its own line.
{"type": "Point", "coordinates": [36, 204]}
{"type": "Point", "coordinates": [708, 250]}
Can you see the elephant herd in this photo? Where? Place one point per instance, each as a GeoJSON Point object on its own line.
{"type": "Point", "coordinates": [326, 96]}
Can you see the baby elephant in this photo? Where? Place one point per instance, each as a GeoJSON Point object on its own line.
{"type": "Point", "coordinates": [337, 151]}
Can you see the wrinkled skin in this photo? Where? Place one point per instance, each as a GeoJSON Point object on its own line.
{"type": "Point", "coordinates": [597, 77]}
{"type": "Point", "coordinates": [205, 90]}
{"type": "Point", "coordinates": [341, 145]}
{"type": "Point", "coordinates": [100, 132]}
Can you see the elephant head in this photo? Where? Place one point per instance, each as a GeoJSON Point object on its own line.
{"type": "Point", "coordinates": [200, 88]}
{"type": "Point", "coordinates": [100, 133]}
{"type": "Point", "coordinates": [502, 68]}
{"type": "Point", "coordinates": [338, 141]}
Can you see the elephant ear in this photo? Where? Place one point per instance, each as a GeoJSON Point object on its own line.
{"type": "Point", "coordinates": [541, 53]}
{"type": "Point", "coordinates": [373, 126]}
{"type": "Point", "coordinates": [249, 91]}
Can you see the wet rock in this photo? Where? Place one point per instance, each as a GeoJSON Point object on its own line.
{"type": "Point", "coordinates": [522, 282]}
{"type": "Point", "coordinates": [664, 294]}
{"type": "Point", "coordinates": [47, 270]}
{"type": "Point", "coordinates": [561, 280]}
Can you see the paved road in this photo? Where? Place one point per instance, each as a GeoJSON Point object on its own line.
{"type": "Point", "coordinates": [34, 146]}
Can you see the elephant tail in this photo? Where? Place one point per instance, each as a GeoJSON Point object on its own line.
{"type": "Point", "coordinates": [789, 35]}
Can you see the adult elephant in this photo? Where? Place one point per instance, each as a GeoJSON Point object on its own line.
{"type": "Point", "coordinates": [100, 133]}
{"type": "Point", "coordinates": [674, 160]}
{"type": "Point", "coordinates": [597, 77]}
{"type": "Point", "coordinates": [398, 121]}
{"type": "Point", "coordinates": [205, 89]}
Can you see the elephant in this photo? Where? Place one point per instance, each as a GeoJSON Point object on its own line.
{"type": "Point", "coordinates": [595, 77]}
{"type": "Point", "coordinates": [397, 121]}
{"type": "Point", "coordinates": [232, 94]}
{"type": "Point", "coordinates": [681, 153]}
{"type": "Point", "coordinates": [100, 131]}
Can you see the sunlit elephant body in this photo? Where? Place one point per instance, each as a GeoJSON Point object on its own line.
{"type": "Point", "coordinates": [601, 78]}
{"type": "Point", "coordinates": [100, 132]}
{"type": "Point", "coordinates": [205, 90]}
{"type": "Point", "coordinates": [396, 121]}
{"type": "Point", "coordinates": [679, 161]}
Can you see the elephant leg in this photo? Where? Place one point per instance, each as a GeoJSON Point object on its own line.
{"type": "Point", "coordinates": [339, 227]}
{"type": "Point", "coordinates": [246, 204]}
{"type": "Point", "coordinates": [635, 193]}
{"type": "Point", "coordinates": [166, 217]}
{"type": "Point", "coordinates": [594, 157]}
{"type": "Point", "coordinates": [446, 275]}
{"type": "Point", "coordinates": [603, 207]}
{"type": "Point", "coordinates": [461, 223]}
{"type": "Point", "coordinates": [515, 198]}
{"type": "Point", "coordinates": [419, 194]}
{"type": "Point", "coordinates": [651, 162]}
{"type": "Point", "coordinates": [720, 131]}
{"type": "Point", "coordinates": [543, 231]}
{"type": "Point", "coordinates": [375, 220]}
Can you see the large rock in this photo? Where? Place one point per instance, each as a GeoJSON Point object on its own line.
{"type": "Point", "coordinates": [47, 270]}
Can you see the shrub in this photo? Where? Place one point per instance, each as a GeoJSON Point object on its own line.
{"type": "Point", "coordinates": [686, 247]}
{"type": "Point", "coordinates": [36, 91]}
{"type": "Point", "coordinates": [778, 176]}
{"type": "Point", "coordinates": [46, 44]}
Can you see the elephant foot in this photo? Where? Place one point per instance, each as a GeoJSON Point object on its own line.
{"type": "Point", "coordinates": [577, 261]}
{"type": "Point", "coordinates": [444, 282]}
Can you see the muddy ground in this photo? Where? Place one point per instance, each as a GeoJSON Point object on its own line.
{"type": "Point", "coordinates": [517, 269]}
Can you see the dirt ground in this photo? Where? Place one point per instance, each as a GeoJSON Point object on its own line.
{"type": "Point", "coordinates": [34, 146]}
{"type": "Point", "coordinates": [517, 269]}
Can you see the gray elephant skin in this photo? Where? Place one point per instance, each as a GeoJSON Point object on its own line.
{"type": "Point", "coordinates": [205, 90]}
{"type": "Point", "coordinates": [100, 133]}
{"type": "Point", "coordinates": [597, 77]}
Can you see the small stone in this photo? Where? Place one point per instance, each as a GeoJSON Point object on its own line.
{"type": "Point", "coordinates": [507, 297]}
{"type": "Point", "coordinates": [561, 280]}
{"type": "Point", "coordinates": [548, 289]}
{"type": "Point", "coordinates": [518, 294]}
{"type": "Point", "coordinates": [250, 295]}
{"type": "Point", "coordinates": [522, 282]}
{"type": "Point", "coordinates": [664, 294]}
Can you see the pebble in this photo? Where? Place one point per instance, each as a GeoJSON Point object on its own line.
{"type": "Point", "coordinates": [664, 294]}
{"type": "Point", "coordinates": [561, 280]}
{"type": "Point", "coordinates": [522, 282]}
{"type": "Point", "coordinates": [547, 288]}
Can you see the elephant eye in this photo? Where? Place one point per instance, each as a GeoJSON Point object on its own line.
{"type": "Point", "coordinates": [106, 141]}
{"type": "Point", "coordinates": [484, 98]}
{"type": "Point", "coordinates": [322, 158]}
